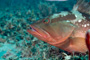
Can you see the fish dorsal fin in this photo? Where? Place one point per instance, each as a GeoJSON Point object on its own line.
{"type": "Point", "coordinates": [82, 6]}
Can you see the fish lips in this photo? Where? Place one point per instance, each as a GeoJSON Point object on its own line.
{"type": "Point", "coordinates": [37, 31]}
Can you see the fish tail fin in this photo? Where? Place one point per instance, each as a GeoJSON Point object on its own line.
{"type": "Point", "coordinates": [82, 6]}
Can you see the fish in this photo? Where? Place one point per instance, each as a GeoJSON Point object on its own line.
{"type": "Point", "coordinates": [65, 30]}
{"type": "Point", "coordinates": [88, 41]}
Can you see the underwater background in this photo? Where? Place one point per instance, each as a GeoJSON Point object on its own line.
{"type": "Point", "coordinates": [16, 43]}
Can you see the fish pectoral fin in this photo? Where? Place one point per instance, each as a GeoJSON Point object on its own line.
{"type": "Point", "coordinates": [78, 44]}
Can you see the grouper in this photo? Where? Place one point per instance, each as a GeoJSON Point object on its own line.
{"type": "Point", "coordinates": [65, 30]}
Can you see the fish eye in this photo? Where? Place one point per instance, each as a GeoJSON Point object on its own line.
{"type": "Point", "coordinates": [46, 21]}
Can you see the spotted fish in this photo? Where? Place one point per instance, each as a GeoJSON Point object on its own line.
{"type": "Point", "coordinates": [65, 30]}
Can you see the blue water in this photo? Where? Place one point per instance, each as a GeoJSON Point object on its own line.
{"type": "Point", "coordinates": [15, 17]}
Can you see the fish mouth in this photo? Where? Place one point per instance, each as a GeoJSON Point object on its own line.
{"type": "Point", "coordinates": [40, 33]}
{"type": "Point", "coordinates": [32, 28]}
{"type": "Point", "coordinates": [37, 31]}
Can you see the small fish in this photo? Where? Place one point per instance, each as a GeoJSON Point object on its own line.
{"type": "Point", "coordinates": [65, 30]}
{"type": "Point", "coordinates": [88, 41]}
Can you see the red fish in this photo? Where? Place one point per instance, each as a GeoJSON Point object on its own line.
{"type": "Point", "coordinates": [88, 41]}
{"type": "Point", "coordinates": [65, 30]}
